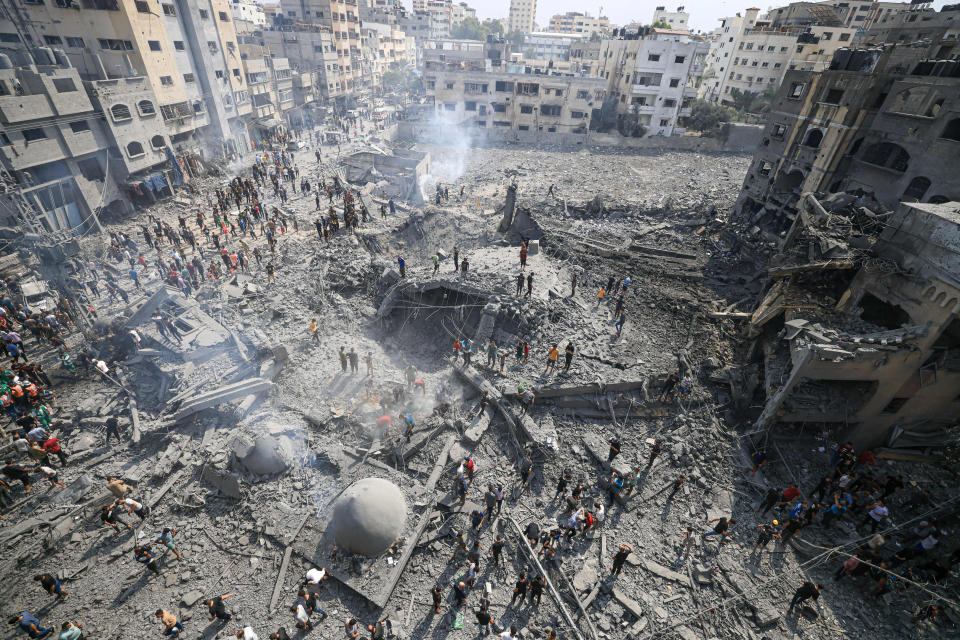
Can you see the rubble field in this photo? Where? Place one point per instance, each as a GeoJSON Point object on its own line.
{"type": "Point", "coordinates": [247, 436]}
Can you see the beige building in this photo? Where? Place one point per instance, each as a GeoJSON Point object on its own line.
{"type": "Point", "coordinates": [678, 19]}
{"type": "Point", "coordinates": [309, 48]}
{"type": "Point", "coordinates": [187, 55]}
{"type": "Point", "coordinates": [523, 16]}
{"type": "Point", "coordinates": [576, 22]}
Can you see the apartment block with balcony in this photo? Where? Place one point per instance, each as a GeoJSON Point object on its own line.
{"type": "Point", "coordinates": [543, 45]}
{"type": "Point", "coordinates": [54, 149]}
{"type": "Point", "coordinates": [498, 104]}
{"type": "Point", "coordinates": [576, 22]}
{"type": "Point", "coordinates": [653, 76]}
{"type": "Point", "coordinates": [522, 16]}
{"type": "Point", "coordinates": [309, 48]}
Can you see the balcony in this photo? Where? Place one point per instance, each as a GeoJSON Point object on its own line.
{"type": "Point", "coordinates": [645, 88]}
{"type": "Point", "coordinates": [22, 156]}
{"type": "Point", "coordinates": [16, 109]}
{"type": "Point", "coordinates": [82, 142]}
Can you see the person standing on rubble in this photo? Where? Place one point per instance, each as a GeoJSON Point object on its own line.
{"type": "Point", "coordinates": [552, 356]}
{"type": "Point", "coordinates": [620, 558]}
{"type": "Point", "coordinates": [523, 255]}
{"type": "Point", "coordinates": [519, 279]}
{"type": "Point", "coordinates": [354, 361]}
{"type": "Point", "coordinates": [402, 264]}
{"type": "Point", "coordinates": [620, 322]}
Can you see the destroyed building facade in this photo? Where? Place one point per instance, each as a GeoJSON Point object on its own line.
{"type": "Point", "coordinates": [884, 121]}
{"type": "Point", "coordinates": [860, 327]}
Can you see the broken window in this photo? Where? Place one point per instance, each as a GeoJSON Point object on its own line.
{"type": "Point", "coordinates": [887, 155]}
{"type": "Point", "coordinates": [916, 189]}
{"type": "Point", "coordinates": [881, 313]}
{"type": "Point", "coordinates": [134, 149]}
{"type": "Point", "coordinates": [120, 112]}
{"type": "Point", "coordinates": [833, 96]}
{"type": "Point", "coordinates": [796, 89]}
{"type": "Point", "coordinates": [778, 130]}
{"type": "Point", "coordinates": [895, 405]}
{"type": "Point", "coordinates": [952, 130]}
{"type": "Point", "coordinates": [814, 138]}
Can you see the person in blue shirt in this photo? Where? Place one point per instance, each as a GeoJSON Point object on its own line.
{"type": "Point", "coordinates": [403, 266]}
{"type": "Point", "coordinates": [30, 624]}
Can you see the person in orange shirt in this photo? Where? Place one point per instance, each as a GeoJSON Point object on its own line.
{"type": "Point", "coordinates": [552, 358]}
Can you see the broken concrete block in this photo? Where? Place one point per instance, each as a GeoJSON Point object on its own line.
{"type": "Point", "coordinates": [227, 483]}
{"type": "Point", "coordinates": [586, 577]}
{"type": "Point", "coordinates": [666, 574]}
{"type": "Point", "coordinates": [191, 598]}
{"type": "Point", "coordinates": [628, 603]}
{"type": "Point", "coordinates": [76, 490]}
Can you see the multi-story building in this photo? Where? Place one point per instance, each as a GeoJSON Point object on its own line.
{"type": "Point", "coordinates": [576, 22]}
{"type": "Point", "coordinates": [248, 16]}
{"type": "Point", "coordinates": [653, 76]}
{"type": "Point", "coordinates": [585, 57]}
{"type": "Point", "coordinates": [55, 162]}
{"type": "Point", "coordinates": [460, 11]}
{"type": "Point", "coordinates": [752, 54]}
{"type": "Point", "coordinates": [185, 51]}
{"type": "Point", "coordinates": [678, 19]}
{"type": "Point", "coordinates": [863, 14]}
{"type": "Point", "coordinates": [310, 49]}
{"type": "Point", "coordinates": [918, 23]}
{"type": "Point", "coordinates": [884, 121]}
{"type": "Point", "coordinates": [522, 16]}
{"type": "Point", "coordinates": [544, 45]}
{"type": "Point", "coordinates": [343, 19]}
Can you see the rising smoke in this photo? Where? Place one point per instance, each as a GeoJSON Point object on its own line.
{"type": "Point", "coordinates": [447, 130]}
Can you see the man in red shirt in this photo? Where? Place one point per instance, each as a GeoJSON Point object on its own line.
{"type": "Point", "coordinates": [52, 445]}
{"type": "Point", "coordinates": [789, 494]}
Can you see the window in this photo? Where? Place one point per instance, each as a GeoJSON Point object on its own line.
{"type": "Point", "coordinates": [102, 5]}
{"type": "Point", "coordinates": [115, 45]}
{"type": "Point", "coordinates": [653, 57]}
{"type": "Point", "coordinates": [470, 106]}
{"type": "Point", "coordinates": [212, 45]}
{"type": "Point", "coordinates": [449, 85]}
{"type": "Point", "coordinates": [76, 43]}
{"type": "Point", "coordinates": [31, 135]}
{"type": "Point", "coordinates": [120, 112]}
{"type": "Point", "coordinates": [223, 16]}
{"type": "Point", "coordinates": [764, 169]}
{"type": "Point", "coordinates": [218, 73]}
{"type": "Point", "coordinates": [523, 127]}
{"type": "Point", "coordinates": [578, 115]}
{"type": "Point", "coordinates": [583, 95]}
{"type": "Point", "coordinates": [783, 49]}
{"type": "Point", "coordinates": [203, 14]}
{"type": "Point", "coordinates": [827, 35]}
{"type": "Point", "coordinates": [777, 65]}
{"type": "Point", "coordinates": [236, 73]}
{"type": "Point", "coordinates": [450, 106]}
{"type": "Point", "coordinates": [188, 78]}
{"type": "Point", "coordinates": [146, 108]}
{"type": "Point", "coordinates": [674, 82]}
{"type": "Point", "coordinates": [844, 37]}
{"type": "Point", "coordinates": [754, 63]}
{"type": "Point", "coordinates": [142, 6]}
{"type": "Point", "coordinates": [166, 81]}
{"type": "Point", "coordinates": [833, 96]}
{"type": "Point", "coordinates": [664, 122]}
{"type": "Point", "coordinates": [526, 108]}
{"type": "Point", "coordinates": [178, 45]}
{"type": "Point", "coordinates": [499, 107]}
{"type": "Point", "coordinates": [679, 59]}
{"type": "Point", "coordinates": [500, 123]}
{"type": "Point", "coordinates": [52, 40]}
{"type": "Point", "coordinates": [814, 138]}
{"type": "Point", "coordinates": [550, 110]}
{"type": "Point", "coordinates": [154, 45]}
{"type": "Point", "coordinates": [670, 103]}
{"type": "Point", "coordinates": [504, 86]}
{"type": "Point", "coordinates": [77, 127]}
{"type": "Point", "coordinates": [888, 155]}
{"type": "Point", "coordinates": [168, 10]}
{"type": "Point", "coordinates": [765, 64]}
{"type": "Point", "coordinates": [749, 46]}
{"type": "Point", "coordinates": [952, 130]}
{"type": "Point", "coordinates": [134, 149]}
{"type": "Point", "coordinates": [917, 188]}
{"type": "Point", "coordinates": [157, 142]}
{"type": "Point", "coordinates": [796, 89]}
{"type": "Point", "coordinates": [778, 131]}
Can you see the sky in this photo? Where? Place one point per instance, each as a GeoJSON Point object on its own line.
{"type": "Point", "coordinates": [704, 14]}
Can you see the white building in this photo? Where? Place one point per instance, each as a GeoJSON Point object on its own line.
{"type": "Point", "coordinates": [460, 11]}
{"type": "Point", "coordinates": [752, 53]}
{"type": "Point", "coordinates": [654, 77]}
{"type": "Point", "coordinates": [523, 16]}
{"type": "Point", "coordinates": [678, 19]}
{"type": "Point", "coordinates": [249, 12]}
{"type": "Point", "coordinates": [543, 45]}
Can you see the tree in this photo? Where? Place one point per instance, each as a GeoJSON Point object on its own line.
{"type": "Point", "coordinates": [744, 100]}
{"type": "Point", "coordinates": [630, 125]}
{"type": "Point", "coordinates": [660, 24]}
{"type": "Point", "coordinates": [707, 117]}
{"type": "Point", "coordinates": [516, 37]}
{"type": "Point", "coordinates": [473, 29]}
{"type": "Point", "coordinates": [393, 80]}
{"type": "Point", "coordinates": [605, 118]}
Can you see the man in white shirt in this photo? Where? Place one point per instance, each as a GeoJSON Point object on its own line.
{"type": "Point", "coordinates": [316, 576]}
{"type": "Point", "coordinates": [511, 633]}
{"type": "Point", "coordinates": [876, 515]}
{"type": "Point", "coordinates": [247, 633]}
{"type": "Point", "coordinates": [136, 508]}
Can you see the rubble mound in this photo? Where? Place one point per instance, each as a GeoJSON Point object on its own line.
{"type": "Point", "coordinates": [369, 516]}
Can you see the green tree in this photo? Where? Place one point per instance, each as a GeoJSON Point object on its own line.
{"type": "Point", "coordinates": [470, 29]}
{"type": "Point", "coordinates": [605, 118]}
{"type": "Point", "coordinates": [516, 37]}
{"type": "Point", "coordinates": [630, 125]}
{"type": "Point", "coordinates": [745, 101]}
{"type": "Point", "coordinates": [394, 80]}
{"type": "Point", "coordinates": [660, 24]}
{"type": "Point", "coordinates": [707, 117]}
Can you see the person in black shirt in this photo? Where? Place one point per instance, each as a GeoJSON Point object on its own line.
{"type": "Point", "coordinates": [614, 448]}
{"type": "Point", "coordinates": [142, 555]}
{"type": "Point", "coordinates": [770, 498]}
{"type": "Point", "coordinates": [677, 484]}
{"type": "Point", "coordinates": [496, 548]}
{"type": "Point", "coordinates": [520, 590]}
{"type": "Point", "coordinates": [655, 451]}
{"type": "Point", "coordinates": [474, 555]}
{"type": "Point", "coordinates": [484, 621]}
{"type": "Point", "coordinates": [536, 590]}
{"type": "Point", "coordinates": [620, 557]}
{"type": "Point", "coordinates": [460, 593]}
{"type": "Point", "coordinates": [218, 610]}
{"type": "Point", "coordinates": [806, 591]}
{"type": "Point", "coordinates": [437, 598]}
{"type": "Point", "coordinates": [280, 634]}
{"type": "Point", "coordinates": [562, 485]}
{"type": "Point", "coordinates": [50, 584]}
{"type": "Point", "coordinates": [533, 533]}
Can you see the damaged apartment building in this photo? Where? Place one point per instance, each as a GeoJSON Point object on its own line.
{"type": "Point", "coordinates": [855, 186]}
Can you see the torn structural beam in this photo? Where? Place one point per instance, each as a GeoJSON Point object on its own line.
{"type": "Point", "coordinates": [521, 423]}
{"type": "Point", "coordinates": [223, 394]}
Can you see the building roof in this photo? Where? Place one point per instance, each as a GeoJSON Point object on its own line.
{"type": "Point", "coordinates": [949, 211]}
{"type": "Point", "coordinates": [672, 32]}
